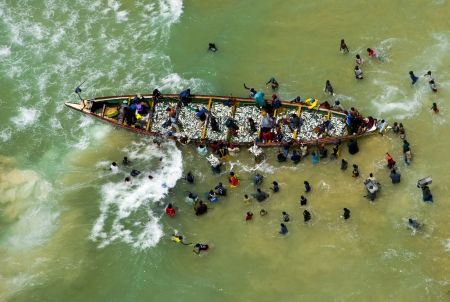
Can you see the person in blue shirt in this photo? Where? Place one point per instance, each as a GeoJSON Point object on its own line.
{"type": "Point", "coordinates": [212, 196]}
{"type": "Point", "coordinates": [257, 179]}
{"type": "Point", "coordinates": [315, 158]}
{"type": "Point", "coordinates": [413, 77]}
{"type": "Point", "coordinates": [307, 186]}
{"type": "Point", "coordinates": [413, 224]}
{"type": "Point", "coordinates": [295, 157]}
{"type": "Point", "coordinates": [201, 113]}
{"type": "Point", "coordinates": [185, 96]}
{"type": "Point", "coordinates": [283, 229]}
{"type": "Point", "coordinates": [190, 177]}
{"type": "Point", "coordinates": [426, 194]}
{"type": "Point", "coordinates": [275, 187]}
{"type": "Point", "coordinates": [395, 176]}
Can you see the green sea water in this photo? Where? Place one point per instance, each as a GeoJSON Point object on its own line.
{"type": "Point", "coordinates": [72, 231]}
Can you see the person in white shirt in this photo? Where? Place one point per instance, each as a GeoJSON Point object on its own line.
{"type": "Point", "coordinates": [114, 167]}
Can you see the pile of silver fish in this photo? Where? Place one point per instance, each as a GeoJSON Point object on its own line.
{"type": "Point", "coordinates": [190, 126]}
{"type": "Point", "coordinates": [283, 119]}
{"type": "Point", "coordinates": [241, 115]}
{"type": "Point", "coordinates": [337, 127]}
{"type": "Point", "coordinates": [311, 120]}
{"type": "Point", "coordinates": [221, 113]}
{"type": "Point", "coordinates": [160, 116]}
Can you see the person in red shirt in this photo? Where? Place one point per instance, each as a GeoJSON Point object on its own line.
{"type": "Point", "coordinates": [371, 53]}
{"type": "Point", "coordinates": [390, 161]}
{"type": "Point", "coordinates": [249, 216]}
{"type": "Point", "coordinates": [234, 182]}
{"type": "Point", "coordinates": [435, 108]}
{"type": "Point", "coordinates": [170, 211]}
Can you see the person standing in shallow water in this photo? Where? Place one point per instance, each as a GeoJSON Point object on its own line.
{"type": "Point", "coordinates": [413, 77]}
{"type": "Point", "coordinates": [372, 53]}
{"type": "Point", "coordinates": [344, 165]}
{"type": "Point", "coordinates": [249, 216]}
{"type": "Point", "coordinates": [358, 73]}
{"type": "Point", "coordinates": [170, 211]}
{"type": "Point", "coordinates": [114, 167]}
{"type": "Point", "coordinates": [432, 86]}
{"type": "Point", "coordinates": [307, 186]}
{"type": "Point", "coordinates": [346, 214]}
{"type": "Point", "coordinates": [199, 247]}
{"type": "Point", "coordinates": [355, 172]}
{"type": "Point", "coordinates": [283, 229]}
{"type": "Point", "coordinates": [359, 61]}
{"type": "Point", "coordinates": [285, 216]}
{"type": "Point", "coordinates": [189, 177]}
{"type": "Point", "coordinates": [212, 47]}
{"type": "Point", "coordinates": [328, 88]}
{"type": "Point", "coordinates": [275, 187]}
{"type": "Point", "coordinates": [306, 216]}
{"type": "Point", "coordinates": [435, 108]}
{"type": "Point", "coordinates": [273, 83]}
{"type": "Point", "coordinates": [343, 47]}
{"type": "Point", "coordinates": [303, 201]}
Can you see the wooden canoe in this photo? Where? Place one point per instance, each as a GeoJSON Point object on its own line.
{"type": "Point", "coordinates": [107, 109]}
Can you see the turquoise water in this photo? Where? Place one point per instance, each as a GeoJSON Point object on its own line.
{"type": "Point", "coordinates": [69, 229]}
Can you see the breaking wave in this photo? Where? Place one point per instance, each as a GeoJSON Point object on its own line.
{"type": "Point", "coordinates": [128, 212]}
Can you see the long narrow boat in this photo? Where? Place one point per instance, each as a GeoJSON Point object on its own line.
{"type": "Point", "coordinates": [155, 120]}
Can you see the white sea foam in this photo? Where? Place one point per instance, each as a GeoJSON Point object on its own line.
{"type": "Point", "coordinates": [174, 81]}
{"type": "Point", "coordinates": [170, 10]}
{"type": "Point", "coordinates": [57, 36]}
{"type": "Point", "coordinates": [114, 5]}
{"type": "Point", "coordinates": [121, 16]}
{"type": "Point", "coordinates": [5, 134]}
{"type": "Point", "coordinates": [55, 123]}
{"type": "Point", "coordinates": [5, 51]}
{"type": "Point", "coordinates": [447, 245]}
{"type": "Point", "coordinates": [393, 99]}
{"type": "Point", "coordinates": [90, 134]}
{"type": "Point", "coordinates": [263, 166]}
{"type": "Point", "coordinates": [25, 118]}
{"type": "Point", "coordinates": [122, 202]}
